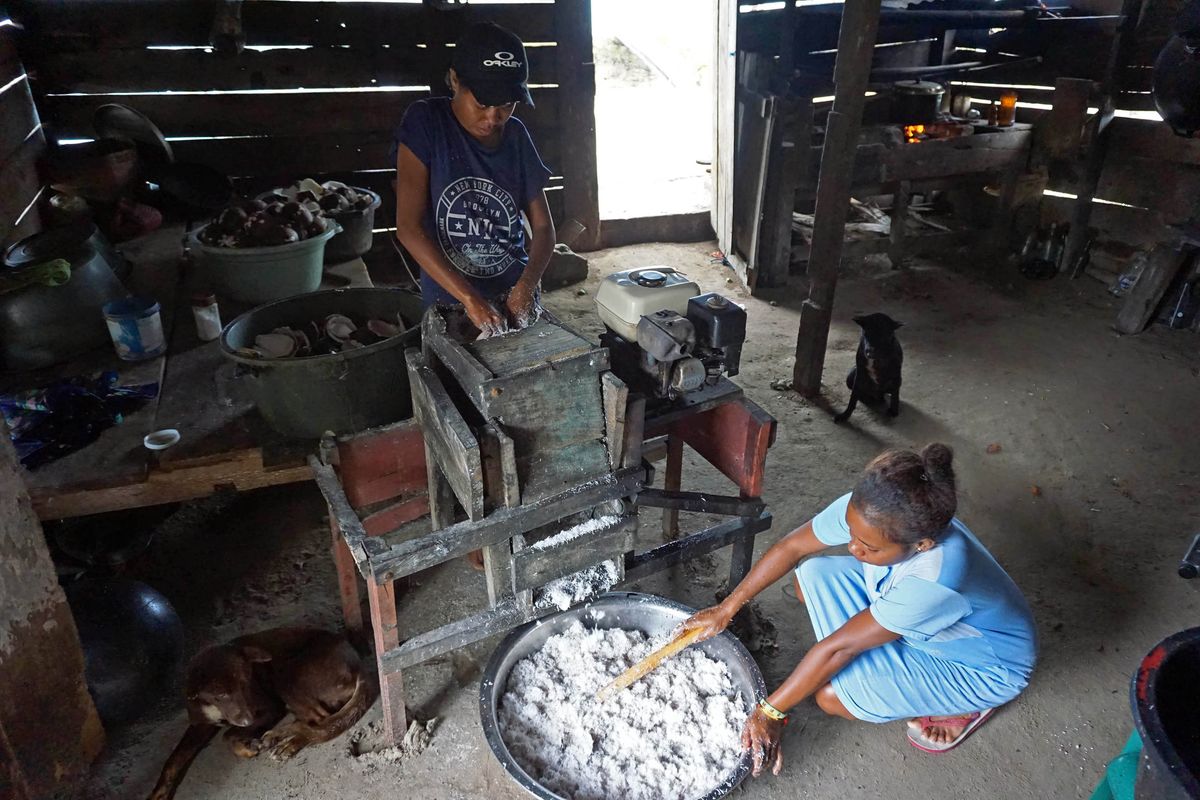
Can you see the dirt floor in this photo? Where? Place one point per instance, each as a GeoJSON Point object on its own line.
{"type": "Point", "coordinates": [1086, 503]}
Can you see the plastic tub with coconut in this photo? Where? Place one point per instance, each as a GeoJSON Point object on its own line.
{"type": "Point", "coordinates": [263, 274]}
{"type": "Point", "coordinates": [346, 392]}
{"type": "Point", "coordinates": [654, 616]}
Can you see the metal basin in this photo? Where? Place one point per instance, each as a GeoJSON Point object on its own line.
{"type": "Point", "coordinates": [654, 616]}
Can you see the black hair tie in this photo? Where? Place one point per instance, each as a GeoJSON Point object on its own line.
{"type": "Point", "coordinates": [924, 476]}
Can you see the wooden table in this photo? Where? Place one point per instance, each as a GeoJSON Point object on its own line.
{"type": "Point", "coordinates": [225, 444]}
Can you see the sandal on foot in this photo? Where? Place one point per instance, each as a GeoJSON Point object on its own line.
{"type": "Point", "coordinates": [973, 721]}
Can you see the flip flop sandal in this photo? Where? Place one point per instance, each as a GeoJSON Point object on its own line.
{"type": "Point", "coordinates": [917, 739]}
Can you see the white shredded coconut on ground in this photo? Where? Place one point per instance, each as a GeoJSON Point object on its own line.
{"type": "Point", "coordinates": [673, 735]}
{"type": "Point", "coordinates": [579, 586]}
{"type": "Point", "coordinates": [582, 529]}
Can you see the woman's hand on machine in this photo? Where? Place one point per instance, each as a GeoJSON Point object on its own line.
{"type": "Point", "coordinates": [484, 316]}
{"type": "Point", "coordinates": [761, 736]}
{"type": "Point", "coordinates": [520, 305]}
{"type": "Point", "coordinates": [710, 622]}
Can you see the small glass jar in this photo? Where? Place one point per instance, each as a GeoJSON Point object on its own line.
{"type": "Point", "coordinates": [1007, 114]}
{"type": "Point", "coordinates": [207, 316]}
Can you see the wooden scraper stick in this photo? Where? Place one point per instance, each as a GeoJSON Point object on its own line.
{"type": "Point", "coordinates": [648, 664]}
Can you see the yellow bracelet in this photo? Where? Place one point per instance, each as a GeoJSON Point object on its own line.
{"type": "Point", "coordinates": [771, 711]}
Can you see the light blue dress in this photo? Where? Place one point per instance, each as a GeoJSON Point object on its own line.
{"type": "Point", "coordinates": [967, 638]}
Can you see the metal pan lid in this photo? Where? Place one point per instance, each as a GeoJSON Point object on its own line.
{"type": "Point", "coordinates": [115, 121]}
{"type": "Point", "coordinates": [919, 87]}
{"type": "Point", "coordinates": [66, 242]}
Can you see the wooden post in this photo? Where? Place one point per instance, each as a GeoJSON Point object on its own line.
{"type": "Point", "coordinates": [856, 46]}
{"type": "Point", "coordinates": [672, 480]}
{"type": "Point", "coordinates": [1114, 77]}
{"type": "Point", "coordinates": [382, 597]}
{"type": "Point", "coordinates": [900, 199]}
{"type": "Point", "coordinates": [577, 121]}
{"type": "Point", "coordinates": [347, 575]}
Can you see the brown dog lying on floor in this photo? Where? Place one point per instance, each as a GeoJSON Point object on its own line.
{"type": "Point", "coordinates": [255, 681]}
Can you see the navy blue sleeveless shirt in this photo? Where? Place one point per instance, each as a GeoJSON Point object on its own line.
{"type": "Point", "coordinates": [476, 196]}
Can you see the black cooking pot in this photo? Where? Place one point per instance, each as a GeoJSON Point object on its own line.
{"type": "Point", "coordinates": [1177, 82]}
{"type": "Point", "coordinates": [916, 102]}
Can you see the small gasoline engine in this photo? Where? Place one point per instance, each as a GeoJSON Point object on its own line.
{"type": "Point", "coordinates": [664, 337]}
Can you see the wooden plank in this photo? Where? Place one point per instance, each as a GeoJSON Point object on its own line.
{"type": "Point", "coordinates": [314, 113]}
{"type": "Point", "coordinates": [280, 159]}
{"type": "Point", "coordinates": [534, 567]}
{"type": "Point", "coordinates": [860, 21]}
{"type": "Point", "coordinates": [341, 513]}
{"type": "Point", "coordinates": [1154, 140]}
{"type": "Point", "coordinates": [18, 117]}
{"type": "Point", "coordinates": [576, 75]}
{"type": "Point", "coordinates": [447, 435]}
{"type": "Point", "coordinates": [112, 70]}
{"type": "Point", "coordinates": [789, 139]}
{"type": "Point", "coordinates": [1119, 55]}
{"type": "Point", "coordinates": [1060, 133]}
{"type": "Point", "coordinates": [724, 139]}
{"type": "Point", "coordinates": [66, 26]}
{"type": "Point", "coordinates": [635, 428]}
{"type": "Point", "coordinates": [500, 466]}
{"type": "Point", "coordinates": [665, 556]}
{"type": "Point", "coordinates": [19, 177]}
{"type": "Point", "coordinates": [386, 630]}
{"type": "Point", "coordinates": [463, 537]}
{"type": "Point", "coordinates": [983, 152]}
{"type": "Point", "coordinates": [616, 398]}
{"type": "Point", "coordinates": [545, 342]}
{"type": "Point", "coordinates": [240, 472]}
{"type": "Point", "coordinates": [672, 481]}
{"type": "Point", "coordinates": [1143, 299]}
{"type": "Point", "coordinates": [459, 633]}
{"type": "Point", "coordinates": [554, 452]}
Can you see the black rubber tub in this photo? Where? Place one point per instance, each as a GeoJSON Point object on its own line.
{"type": "Point", "coordinates": [1166, 710]}
{"type": "Point", "coordinates": [344, 392]}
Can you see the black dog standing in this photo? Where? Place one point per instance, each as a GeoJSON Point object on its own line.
{"type": "Point", "coordinates": [876, 371]}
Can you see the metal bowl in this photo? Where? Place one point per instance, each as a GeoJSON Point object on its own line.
{"type": "Point", "coordinates": [654, 616]}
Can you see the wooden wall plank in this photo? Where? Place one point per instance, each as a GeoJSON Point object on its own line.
{"type": "Point", "coordinates": [19, 177]}
{"type": "Point", "coordinates": [1147, 139]}
{"type": "Point", "coordinates": [293, 114]}
{"type": "Point", "coordinates": [320, 67]}
{"type": "Point", "coordinates": [18, 117]}
{"type": "Point", "coordinates": [68, 26]}
{"type": "Point", "coordinates": [300, 155]}
{"type": "Point", "coordinates": [577, 126]}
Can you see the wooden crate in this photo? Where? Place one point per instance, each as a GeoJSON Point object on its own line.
{"type": "Point", "coordinates": [541, 386]}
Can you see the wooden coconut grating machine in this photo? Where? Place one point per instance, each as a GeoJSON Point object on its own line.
{"type": "Point", "coordinates": [528, 447]}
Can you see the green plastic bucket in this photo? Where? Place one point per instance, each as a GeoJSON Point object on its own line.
{"type": "Point", "coordinates": [344, 392]}
{"type": "Point", "coordinates": [263, 274]}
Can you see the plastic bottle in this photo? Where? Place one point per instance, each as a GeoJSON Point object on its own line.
{"type": "Point", "coordinates": [207, 315]}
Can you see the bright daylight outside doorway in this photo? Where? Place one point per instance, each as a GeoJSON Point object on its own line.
{"type": "Point", "coordinates": [654, 134]}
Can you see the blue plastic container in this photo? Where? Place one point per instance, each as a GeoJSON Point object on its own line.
{"type": "Point", "coordinates": [135, 326]}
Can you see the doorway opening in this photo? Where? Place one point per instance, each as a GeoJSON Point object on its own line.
{"type": "Point", "coordinates": [654, 106]}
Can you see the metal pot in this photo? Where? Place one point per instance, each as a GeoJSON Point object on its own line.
{"type": "Point", "coordinates": [916, 102]}
{"type": "Point", "coordinates": [43, 325]}
{"type": "Point", "coordinates": [651, 615]}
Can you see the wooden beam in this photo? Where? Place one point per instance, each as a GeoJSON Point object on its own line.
{"type": "Point", "coordinates": [577, 119]}
{"type": "Point", "coordinates": [856, 46]}
{"type": "Point", "coordinates": [1122, 49]}
{"type": "Point", "coordinates": [459, 539]}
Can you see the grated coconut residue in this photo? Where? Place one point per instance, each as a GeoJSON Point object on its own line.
{"type": "Point", "coordinates": [579, 586]}
{"type": "Point", "coordinates": [673, 735]}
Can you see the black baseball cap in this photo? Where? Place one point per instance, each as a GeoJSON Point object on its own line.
{"type": "Point", "coordinates": [491, 62]}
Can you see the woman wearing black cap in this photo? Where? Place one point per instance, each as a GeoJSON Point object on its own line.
{"type": "Point", "coordinates": [466, 170]}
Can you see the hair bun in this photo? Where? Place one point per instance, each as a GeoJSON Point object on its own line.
{"type": "Point", "coordinates": [938, 458]}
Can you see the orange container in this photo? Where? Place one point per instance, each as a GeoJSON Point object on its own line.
{"type": "Point", "coordinates": [1007, 114]}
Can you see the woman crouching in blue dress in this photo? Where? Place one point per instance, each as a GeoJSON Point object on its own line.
{"type": "Point", "coordinates": [919, 622]}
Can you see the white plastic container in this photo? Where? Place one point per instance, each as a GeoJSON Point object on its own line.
{"type": "Point", "coordinates": [625, 297]}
